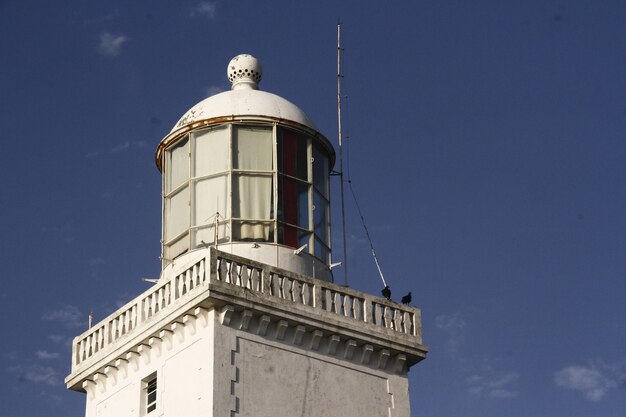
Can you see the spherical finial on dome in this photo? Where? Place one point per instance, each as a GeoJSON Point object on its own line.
{"type": "Point", "coordinates": [244, 71]}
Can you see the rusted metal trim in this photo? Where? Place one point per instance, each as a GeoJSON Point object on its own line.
{"type": "Point", "coordinates": [173, 137]}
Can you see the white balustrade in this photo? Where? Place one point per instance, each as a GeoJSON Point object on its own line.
{"type": "Point", "coordinates": [266, 280]}
{"type": "Point", "coordinates": [315, 293]}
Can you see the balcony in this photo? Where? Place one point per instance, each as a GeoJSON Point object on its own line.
{"type": "Point", "coordinates": [214, 279]}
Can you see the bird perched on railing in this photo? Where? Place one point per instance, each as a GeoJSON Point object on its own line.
{"type": "Point", "coordinates": [407, 298]}
{"type": "Point", "coordinates": [386, 292]}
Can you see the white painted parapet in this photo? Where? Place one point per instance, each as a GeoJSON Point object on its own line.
{"type": "Point", "coordinates": [251, 295]}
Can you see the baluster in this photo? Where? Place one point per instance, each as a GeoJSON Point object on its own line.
{"type": "Point", "coordinates": [397, 320]}
{"type": "Point", "coordinates": [144, 309]}
{"type": "Point", "coordinates": [406, 322]}
{"type": "Point", "coordinates": [222, 272]}
{"type": "Point", "coordinates": [124, 318]}
{"type": "Point", "coordinates": [79, 353]}
{"type": "Point", "coordinates": [330, 300]}
{"type": "Point", "coordinates": [183, 285]}
{"type": "Point", "coordinates": [194, 275]}
{"type": "Point", "coordinates": [83, 350]}
{"type": "Point", "coordinates": [201, 272]}
{"type": "Point", "coordinates": [317, 297]}
{"type": "Point", "coordinates": [168, 293]}
{"type": "Point", "coordinates": [118, 326]}
{"type": "Point", "coordinates": [377, 314]}
{"type": "Point", "coordinates": [284, 287]}
{"type": "Point", "coordinates": [96, 342]}
{"type": "Point", "coordinates": [153, 308]}
{"type": "Point", "coordinates": [337, 304]}
{"type": "Point", "coordinates": [295, 291]}
{"type": "Point", "coordinates": [366, 310]}
{"type": "Point", "coordinates": [232, 273]}
{"type": "Point", "coordinates": [180, 286]}
{"type": "Point", "coordinates": [188, 280]}
{"type": "Point", "coordinates": [113, 330]}
{"type": "Point", "coordinates": [387, 317]}
{"type": "Point", "coordinates": [346, 305]}
{"type": "Point", "coordinates": [244, 276]}
{"type": "Point", "coordinates": [275, 285]}
{"type": "Point", "coordinates": [255, 280]}
{"type": "Point", "coordinates": [126, 321]}
{"type": "Point", "coordinates": [156, 302]}
{"type": "Point", "coordinates": [356, 308]}
{"type": "Point", "coordinates": [281, 285]}
{"type": "Point", "coordinates": [90, 342]}
{"type": "Point", "coordinates": [133, 316]}
{"type": "Point", "coordinates": [306, 294]}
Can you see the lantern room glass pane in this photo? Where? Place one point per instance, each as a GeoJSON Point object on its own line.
{"type": "Point", "coordinates": [252, 148]}
{"type": "Point", "coordinates": [206, 235]}
{"type": "Point", "coordinates": [209, 199]}
{"type": "Point", "coordinates": [211, 154]}
{"type": "Point", "coordinates": [292, 236]}
{"type": "Point", "coordinates": [320, 217]}
{"type": "Point", "coordinates": [248, 230]}
{"type": "Point", "coordinates": [293, 202]}
{"type": "Point", "coordinates": [252, 196]}
{"type": "Point", "coordinates": [292, 154]}
{"type": "Point", "coordinates": [321, 171]}
{"type": "Point", "coordinates": [178, 166]}
{"type": "Point", "coordinates": [177, 214]}
{"type": "Point", "coordinates": [177, 248]}
{"type": "Point", "coordinates": [322, 251]}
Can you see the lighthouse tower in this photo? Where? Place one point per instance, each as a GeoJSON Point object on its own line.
{"type": "Point", "coordinates": [245, 319]}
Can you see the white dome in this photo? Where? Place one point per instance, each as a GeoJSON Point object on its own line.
{"type": "Point", "coordinates": [245, 99]}
{"type": "Point", "coordinates": [245, 102]}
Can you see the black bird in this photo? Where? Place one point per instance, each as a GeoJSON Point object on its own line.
{"type": "Point", "coordinates": [386, 292]}
{"type": "Point", "coordinates": [407, 298]}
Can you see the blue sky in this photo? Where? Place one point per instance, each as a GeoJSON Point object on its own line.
{"type": "Point", "coordinates": [486, 145]}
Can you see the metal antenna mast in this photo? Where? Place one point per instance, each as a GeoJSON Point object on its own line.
{"type": "Point", "coordinates": [343, 208]}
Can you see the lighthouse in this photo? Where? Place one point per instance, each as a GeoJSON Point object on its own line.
{"type": "Point", "coordinates": [245, 319]}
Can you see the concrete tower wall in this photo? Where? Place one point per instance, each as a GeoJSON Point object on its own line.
{"type": "Point", "coordinates": [206, 368]}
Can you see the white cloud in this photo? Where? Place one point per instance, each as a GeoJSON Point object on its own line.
{"type": "Point", "coordinates": [455, 327]}
{"type": "Point", "coordinates": [213, 90]}
{"type": "Point", "coordinates": [123, 146]}
{"type": "Point", "coordinates": [96, 261]}
{"type": "Point", "coordinates": [36, 374]}
{"type": "Point", "coordinates": [493, 385]}
{"type": "Point", "coordinates": [92, 154]}
{"type": "Point", "coordinates": [68, 315]}
{"type": "Point", "coordinates": [594, 381]}
{"type": "Point", "coordinates": [138, 144]}
{"type": "Point", "coordinates": [111, 45]}
{"type": "Point", "coordinates": [60, 339]}
{"type": "Point", "coordinates": [204, 8]}
{"type": "Point", "coordinates": [45, 355]}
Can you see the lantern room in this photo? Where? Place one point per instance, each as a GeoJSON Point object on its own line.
{"type": "Point", "coordinates": [247, 171]}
